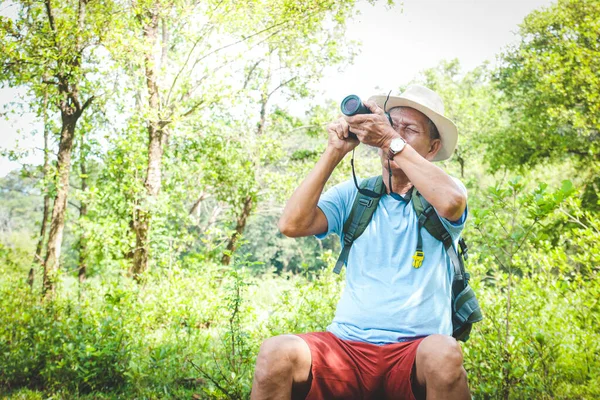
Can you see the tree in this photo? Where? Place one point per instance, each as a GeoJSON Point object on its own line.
{"type": "Point", "coordinates": [287, 64]}
{"type": "Point", "coordinates": [509, 219]}
{"type": "Point", "coordinates": [471, 101]}
{"type": "Point", "coordinates": [49, 47]}
{"type": "Point", "coordinates": [551, 82]}
{"type": "Point", "coordinates": [38, 259]}
{"type": "Point", "coordinates": [185, 50]}
{"type": "Point", "coordinates": [172, 46]}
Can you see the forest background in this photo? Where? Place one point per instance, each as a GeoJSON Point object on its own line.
{"type": "Point", "coordinates": [141, 259]}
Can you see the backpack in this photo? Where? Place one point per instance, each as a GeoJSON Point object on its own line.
{"type": "Point", "coordinates": [465, 308]}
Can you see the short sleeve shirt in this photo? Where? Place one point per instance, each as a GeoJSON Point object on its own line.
{"type": "Point", "coordinates": [386, 299]}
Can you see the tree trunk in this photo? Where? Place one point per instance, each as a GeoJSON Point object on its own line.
{"type": "Point", "coordinates": [461, 162]}
{"type": "Point", "coordinates": [65, 148]}
{"type": "Point", "coordinates": [143, 214]}
{"type": "Point", "coordinates": [239, 229]}
{"type": "Point", "coordinates": [140, 252]}
{"type": "Point", "coordinates": [71, 109]}
{"type": "Point", "coordinates": [37, 259]}
{"type": "Point", "coordinates": [248, 204]}
{"type": "Point", "coordinates": [82, 268]}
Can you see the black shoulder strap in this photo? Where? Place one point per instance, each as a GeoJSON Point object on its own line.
{"type": "Point", "coordinates": [362, 210]}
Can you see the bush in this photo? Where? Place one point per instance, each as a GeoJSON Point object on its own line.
{"type": "Point", "coordinates": [547, 346]}
{"type": "Point", "coordinates": [195, 331]}
{"type": "Point", "coordinates": [61, 343]}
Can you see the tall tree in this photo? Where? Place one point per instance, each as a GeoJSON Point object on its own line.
{"type": "Point", "coordinates": [472, 102]}
{"type": "Point", "coordinates": [169, 39]}
{"type": "Point", "coordinates": [83, 212]}
{"type": "Point", "coordinates": [55, 41]}
{"type": "Point", "coordinates": [551, 81]}
{"type": "Point", "coordinates": [291, 60]}
{"type": "Point", "coordinates": [186, 50]}
{"type": "Point", "coordinates": [37, 259]}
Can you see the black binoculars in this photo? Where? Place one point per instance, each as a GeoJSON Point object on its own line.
{"type": "Point", "coordinates": [352, 105]}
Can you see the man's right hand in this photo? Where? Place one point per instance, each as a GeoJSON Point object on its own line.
{"type": "Point", "coordinates": [339, 137]}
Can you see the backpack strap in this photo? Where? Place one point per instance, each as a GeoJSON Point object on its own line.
{"type": "Point", "coordinates": [428, 219]}
{"type": "Point", "coordinates": [465, 307]}
{"type": "Point", "coordinates": [362, 210]}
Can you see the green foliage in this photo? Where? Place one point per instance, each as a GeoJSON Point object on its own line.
{"type": "Point", "coordinates": [283, 254]}
{"type": "Point", "coordinates": [50, 49]}
{"type": "Point", "coordinates": [551, 82]}
{"type": "Point", "coordinates": [235, 152]}
{"type": "Point", "coordinates": [168, 339]}
{"type": "Point", "coordinates": [196, 330]}
{"type": "Point", "coordinates": [61, 344]}
{"type": "Point", "coordinates": [229, 371]}
{"type": "Point", "coordinates": [473, 106]}
{"type": "Point", "coordinates": [523, 283]}
{"type": "Point", "coordinates": [552, 348]}
{"type": "Point", "coordinates": [509, 219]}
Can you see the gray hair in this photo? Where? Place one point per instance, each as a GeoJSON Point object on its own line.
{"type": "Point", "coordinates": [433, 130]}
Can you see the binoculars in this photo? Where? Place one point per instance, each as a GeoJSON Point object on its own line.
{"type": "Point", "coordinates": [352, 105]}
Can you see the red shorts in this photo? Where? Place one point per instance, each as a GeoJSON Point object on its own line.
{"type": "Point", "coordinates": [343, 369]}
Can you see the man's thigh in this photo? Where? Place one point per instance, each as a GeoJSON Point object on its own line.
{"type": "Point", "coordinates": [342, 369]}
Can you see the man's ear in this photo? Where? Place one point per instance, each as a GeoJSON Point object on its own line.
{"type": "Point", "coordinates": [434, 147]}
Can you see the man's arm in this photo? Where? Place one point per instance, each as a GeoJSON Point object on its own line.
{"type": "Point", "coordinates": [438, 188]}
{"type": "Point", "coordinates": [301, 216]}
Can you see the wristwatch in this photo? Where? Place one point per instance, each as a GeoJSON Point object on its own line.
{"type": "Point", "coordinates": [396, 146]}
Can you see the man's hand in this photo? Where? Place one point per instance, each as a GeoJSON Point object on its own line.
{"type": "Point", "coordinates": [339, 137]}
{"type": "Point", "coordinates": [372, 129]}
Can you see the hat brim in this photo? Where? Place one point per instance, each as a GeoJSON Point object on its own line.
{"type": "Point", "coordinates": [446, 128]}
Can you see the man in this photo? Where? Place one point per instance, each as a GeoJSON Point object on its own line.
{"type": "Point", "coordinates": [390, 337]}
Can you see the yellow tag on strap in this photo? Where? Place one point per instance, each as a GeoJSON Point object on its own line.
{"type": "Point", "coordinates": [418, 259]}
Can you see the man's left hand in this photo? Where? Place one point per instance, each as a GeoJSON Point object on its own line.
{"type": "Point", "coordinates": [372, 129]}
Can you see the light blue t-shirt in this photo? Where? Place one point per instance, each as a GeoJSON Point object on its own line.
{"type": "Point", "coordinates": [386, 299]}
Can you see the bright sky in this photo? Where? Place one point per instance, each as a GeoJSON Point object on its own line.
{"type": "Point", "coordinates": [418, 34]}
{"type": "Point", "coordinates": [397, 44]}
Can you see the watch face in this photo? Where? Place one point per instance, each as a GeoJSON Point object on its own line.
{"type": "Point", "coordinates": [397, 144]}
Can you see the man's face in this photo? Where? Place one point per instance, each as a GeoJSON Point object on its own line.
{"type": "Point", "coordinates": [412, 125]}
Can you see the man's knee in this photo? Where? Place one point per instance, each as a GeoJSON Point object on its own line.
{"type": "Point", "coordinates": [282, 357]}
{"type": "Point", "coordinates": [440, 361]}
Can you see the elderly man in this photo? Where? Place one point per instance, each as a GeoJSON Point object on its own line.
{"type": "Point", "coordinates": [390, 337]}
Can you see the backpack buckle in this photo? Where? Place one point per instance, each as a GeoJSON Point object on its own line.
{"type": "Point", "coordinates": [418, 258]}
{"type": "Point", "coordinates": [429, 211]}
{"type": "Point", "coordinates": [445, 236]}
{"type": "Point", "coordinates": [365, 202]}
